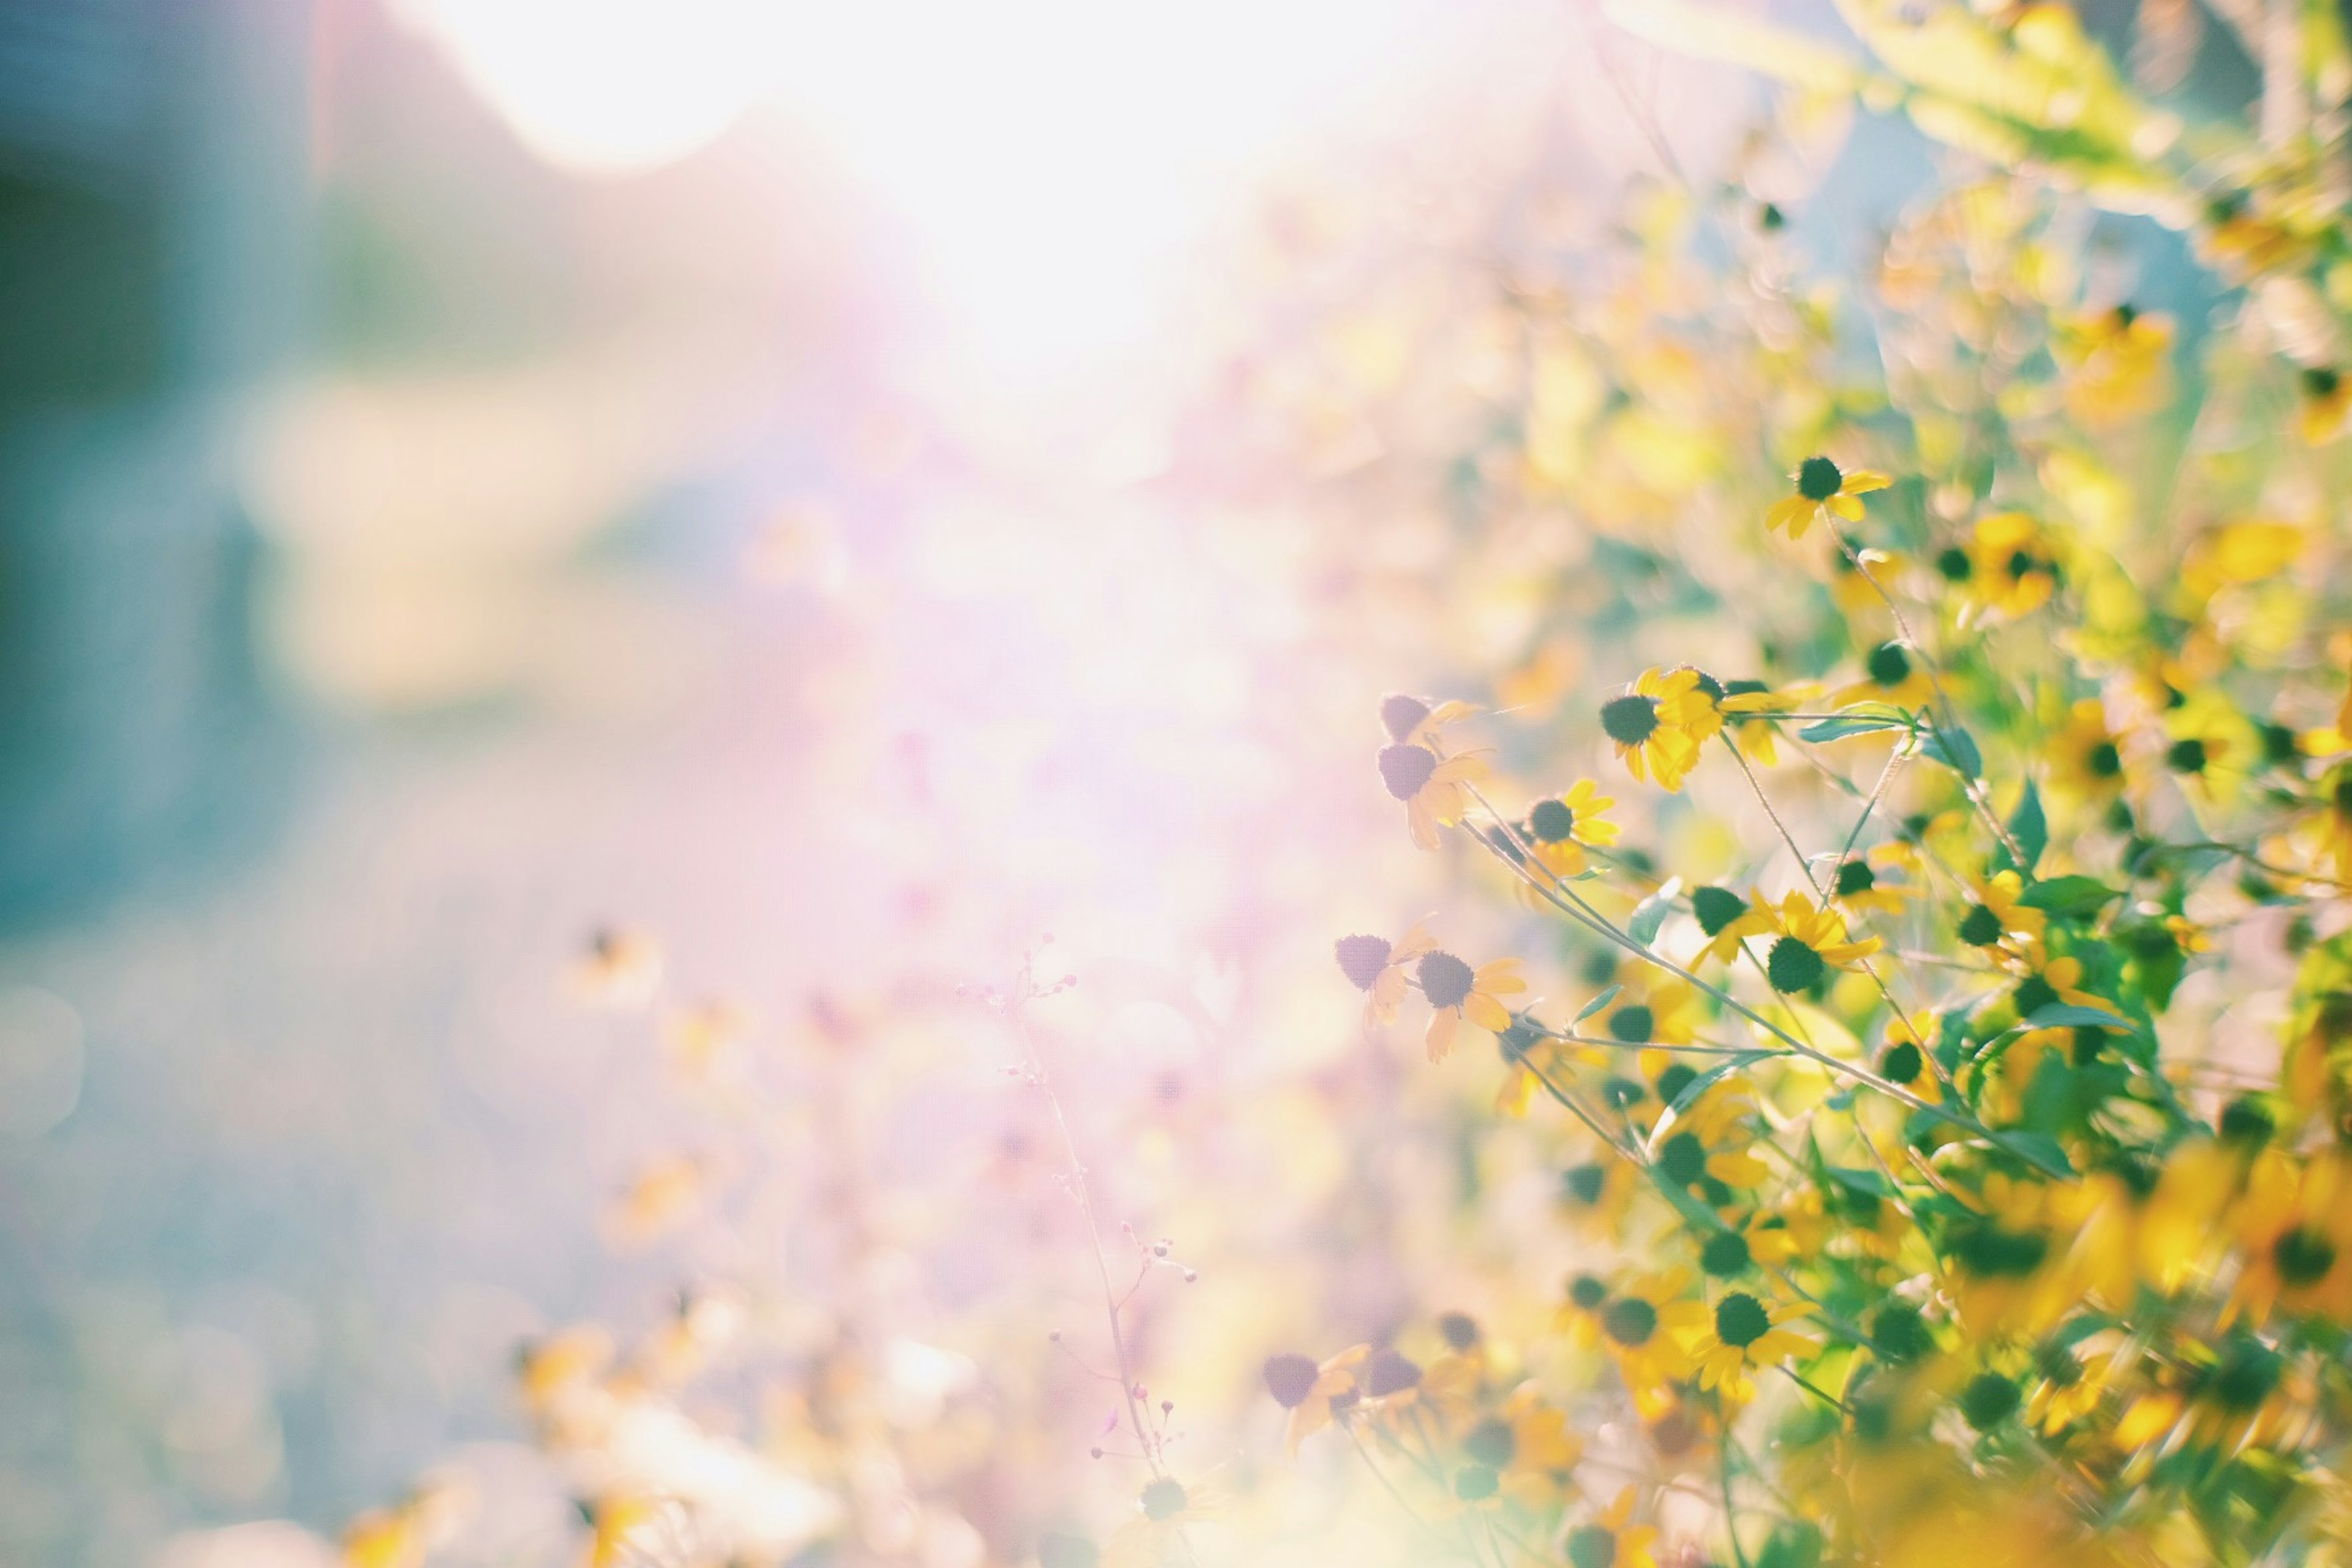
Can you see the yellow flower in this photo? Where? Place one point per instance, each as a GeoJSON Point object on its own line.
{"type": "Point", "coordinates": [1996, 917]}
{"type": "Point", "coordinates": [1710, 1141]}
{"type": "Point", "coordinates": [1809, 942]}
{"type": "Point", "coordinates": [1429, 785]}
{"type": "Point", "coordinates": [1155, 1536]}
{"type": "Point", "coordinates": [1308, 1390]}
{"type": "Point", "coordinates": [1526, 1451]}
{"type": "Point", "coordinates": [2294, 1230]}
{"type": "Point", "coordinates": [2012, 569]}
{"type": "Point", "coordinates": [1742, 1335]}
{"type": "Point", "coordinates": [1910, 1044]}
{"type": "Point", "coordinates": [2326, 400]}
{"type": "Point", "coordinates": [1749, 707]}
{"type": "Point", "coordinates": [1611, 1541]}
{"type": "Point", "coordinates": [1658, 724]}
{"type": "Point", "coordinates": [2117, 363]}
{"type": "Point", "coordinates": [1856, 884]}
{"type": "Point", "coordinates": [1891, 674]}
{"type": "Point", "coordinates": [1455, 991]}
{"type": "Point", "coordinates": [2083, 756]}
{"type": "Point", "coordinates": [1378, 968]}
{"type": "Point", "coordinates": [1822, 491]}
{"type": "Point", "coordinates": [1558, 829]}
{"type": "Point", "coordinates": [1645, 1326]}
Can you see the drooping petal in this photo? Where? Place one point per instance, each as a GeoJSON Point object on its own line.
{"type": "Point", "coordinates": [1486, 1013]}
{"type": "Point", "coordinates": [1442, 1024]}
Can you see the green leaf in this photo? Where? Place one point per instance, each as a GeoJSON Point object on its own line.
{"type": "Point", "coordinates": [2068, 1016]}
{"type": "Point", "coordinates": [1595, 1006]}
{"type": "Point", "coordinates": [2069, 898]}
{"type": "Point", "coordinates": [2039, 1148]}
{"type": "Point", "coordinates": [1955, 749]}
{"type": "Point", "coordinates": [1651, 912]}
{"type": "Point", "coordinates": [1701, 1084]}
{"type": "Point", "coordinates": [1844, 724]}
{"type": "Point", "coordinates": [2029, 829]}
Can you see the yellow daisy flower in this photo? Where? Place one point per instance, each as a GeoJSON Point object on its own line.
{"type": "Point", "coordinates": [1904, 1060]}
{"type": "Point", "coordinates": [1891, 674]}
{"type": "Point", "coordinates": [1858, 885]}
{"type": "Point", "coordinates": [1658, 723]}
{"type": "Point", "coordinates": [2117, 364]}
{"type": "Point", "coordinates": [1455, 991]}
{"type": "Point", "coordinates": [1429, 785]}
{"type": "Point", "coordinates": [1311, 1391]}
{"type": "Point", "coordinates": [1558, 829]}
{"type": "Point", "coordinates": [2295, 1237]}
{"type": "Point", "coordinates": [2013, 568]}
{"type": "Point", "coordinates": [1612, 1541]}
{"type": "Point", "coordinates": [1646, 1325]}
{"type": "Point", "coordinates": [1809, 942]}
{"type": "Point", "coordinates": [2083, 756]}
{"type": "Point", "coordinates": [1996, 917]}
{"type": "Point", "coordinates": [1378, 968]}
{"type": "Point", "coordinates": [1164, 1508]}
{"type": "Point", "coordinates": [1824, 490]}
{"type": "Point", "coordinates": [1743, 1335]}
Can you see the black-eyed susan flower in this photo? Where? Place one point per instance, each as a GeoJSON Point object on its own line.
{"type": "Point", "coordinates": [2084, 759]}
{"type": "Point", "coordinates": [1994, 917]}
{"type": "Point", "coordinates": [1612, 1539]}
{"type": "Point", "coordinates": [1823, 491]}
{"type": "Point", "coordinates": [1904, 1060]}
{"type": "Point", "coordinates": [1749, 710]}
{"type": "Point", "coordinates": [1559, 828]}
{"type": "Point", "coordinates": [1891, 674]}
{"type": "Point", "coordinates": [1658, 723]}
{"type": "Point", "coordinates": [1645, 1324]}
{"type": "Point", "coordinates": [1726, 919]}
{"type": "Point", "coordinates": [1429, 785]}
{"type": "Point", "coordinates": [2293, 1233]}
{"type": "Point", "coordinates": [1529, 1444]}
{"type": "Point", "coordinates": [1710, 1142]}
{"type": "Point", "coordinates": [1164, 1509]}
{"type": "Point", "coordinates": [1742, 1334]}
{"type": "Point", "coordinates": [1872, 883]}
{"type": "Point", "coordinates": [1809, 940]}
{"type": "Point", "coordinates": [1312, 1391]}
{"type": "Point", "coordinates": [2326, 402]}
{"type": "Point", "coordinates": [1454, 991]}
{"type": "Point", "coordinates": [2015, 565]}
{"type": "Point", "coordinates": [1380, 969]}
{"type": "Point", "coordinates": [2115, 364]}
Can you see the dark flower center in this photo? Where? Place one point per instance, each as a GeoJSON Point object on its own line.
{"type": "Point", "coordinates": [1818, 479]}
{"type": "Point", "coordinates": [1683, 1158]}
{"type": "Point", "coordinates": [2246, 1120]}
{"type": "Point", "coordinates": [1630, 1320]}
{"type": "Point", "coordinates": [1996, 1254]}
{"type": "Point", "coordinates": [1854, 876]}
{"type": "Point", "coordinates": [1584, 1184]}
{"type": "Point", "coordinates": [1361, 959]}
{"type": "Point", "coordinates": [2186, 756]}
{"type": "Point", "coordinates": [2103, 761]}
{"type": "Point", "coordinates": [1717, 908]}
{"type": "Point", "coordinates": [1952, 564]}
{"type": "Point", "coordinates": [1900, 1333]}
{"type": "Point", "coordinates": [1988, 1400]}
{"type": "Point", "coordinates": [1163, 1499]}
{"type": "Point", "coordinates": [1902, 1062]}
{"type": "Point", "coordinates": [1710, 685]}
{"type": "Point", "coordinates": [1458, 1330]}
{"type": "Point", "coordinates": [1673, 1080]}
{"type": "Point", "coordinates": [1629, 719]}
{"type": "Point", "coordinates": [1740, 1320]}
{"type": "Point", "coordinates": [1792, 966]}
{"type": "Point", "coordinates": [2034, 994]}
{"type": "Point", "coordinates": [1724, 1254]}
{"type": "Point", "coordinates": [1445, 980]}
{"type": "Point", "coordinates": [1390, 1373]}
{"type": "Point", "coordinates": [1404, 769]}
{"type": "Point", "coordinates": [1631, 1025]}
{"type": "Point", "coordinates": [2322, 380]}
{"type": "Point", "coordinates": [1551, 822]}
{"type": "Point", "coordinates": [2303, 1257]}
{"type": "Point", "coordinates": [1979, 927]}
{"type": "Point", "coordinates": [1290, 1379]}
{"type": "Point", "coordinates": [1591, 1546]}
{"type": "Point", "coordinates": [2246, 1378]}
{"type": "Point", "coordinates": [1889, 664]}
{"type": "Point", "coordinates": [1491, 1443]}
{"type": "Point", "coordinates": [1400, 715]}
{"type": "Point", "coordinates": [1588, 1290]}
{"type": "Point", "coordinates": [2020, 565]}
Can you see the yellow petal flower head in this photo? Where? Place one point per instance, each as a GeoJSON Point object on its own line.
{"type": "Point", "coordinates": [1155, 1536]}
{"type": "Point", "coordinates": [1455, 991]}
{"type": "Point", "coordinates": [2084, 759]}
{"type": "Point", "coordinates": [1808, 941]}
{"type": "Point", "coordinates": [2295, 1237]}
{"type": "Point", "coordinates": [2013, 568]}
{"type": "Point", "coordinates": [1429, 785]}
{"type": "Point", "coordinates": [1646, 1326]}
{"type": "Point", "coordinates": [1658, 723]}
{"type": "Point", "coordinates": [1859, 884]}
{"type": "Point", "coordinates": [1309, 1390]}
{"type": "Point", "coordinates": [1557, 829]}
{"type": "Point", "coordinates": [1891, 674]}
{"type": "Point", "coordinates": [1742, 1335]}
{"type": "Point", "coordinates": [1380, 969]}
{"type": "Point", "coordinates": [1995, 918]}
{"type": "Point", "coordinates": [1905, 1060]}
{"type": "Point", "coordinates": [1612, 1541]}
{"type": "Point", "coordinates": [1824, 490]}
{"type": "Point", "coordinates": [2326, 401]}
{"type": "Point", "coordinates": [2117, 364]}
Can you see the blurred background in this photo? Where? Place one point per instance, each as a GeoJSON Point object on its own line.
{"type": "Point", "coordinates": [831, 493]}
